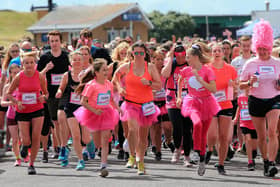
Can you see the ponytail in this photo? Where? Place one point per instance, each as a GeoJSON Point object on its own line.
{"type": "Point", "coordinates": [88, 76]}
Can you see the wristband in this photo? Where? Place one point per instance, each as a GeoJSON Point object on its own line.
{"type": "Point", "coordinates": [150, 82]}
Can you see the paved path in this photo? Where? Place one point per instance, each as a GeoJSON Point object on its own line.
{"type": "Point", "coordinates": [160, 174]}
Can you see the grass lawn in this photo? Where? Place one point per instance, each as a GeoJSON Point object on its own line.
{"type": "Point", "coordinates": [13, 25]}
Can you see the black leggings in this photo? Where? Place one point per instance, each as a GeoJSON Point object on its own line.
{"type": "Point", "coordinates": [121, 135]}
{"type": "Point", "coordinates": [182, 127]}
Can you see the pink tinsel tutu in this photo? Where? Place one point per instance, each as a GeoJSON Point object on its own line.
{"type": "Point", "coordinates": [106, 121]}
{"type": "Point", "coordinates": [200, 108]}
{"type": "Point", "coordinates": [134, 111]}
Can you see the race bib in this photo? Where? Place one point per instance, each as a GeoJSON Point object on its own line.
{"type": "Point", "coordinates": [193, 82]}
{"type": "Point", "coordinates": [75, 98]}
{"type": "Point", "coordinates": [103, 98]}
{"type": "Point", "coordinates": [148, 108]}
{"type": "Point", "coordinates": [220, 96]}
{"type": "Point", "coordinates": [29, 98]}
{"type": "Point", "coordinates": [56, 79]}
{"type": "Point", "coordinates": [160, 94]}
{"type": "Point", "coordinates": [267, 70]}
{"type": "Point", "coordinates": [244, 115]}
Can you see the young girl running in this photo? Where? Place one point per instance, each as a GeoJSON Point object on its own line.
{"type": "Point", "coordinates": [67, 86]}
{"type": "Point", "coordinates": [29, 105]}
{"type": "Point", "coordinates": [11, 113]}
{"type": "Point", "coordinates": [248, 129]}
{"type": "Point", "coordinates": [98, 113]}
{"type": "Point", "coordinates": [200, 105]}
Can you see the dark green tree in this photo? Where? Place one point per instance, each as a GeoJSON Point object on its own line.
{"type": "Point", "coordinates": [172, 23]}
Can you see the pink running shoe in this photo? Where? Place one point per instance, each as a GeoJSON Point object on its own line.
{"type": "Point", "coordinates": [17, 162]}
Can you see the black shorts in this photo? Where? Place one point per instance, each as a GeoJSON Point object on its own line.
{"type": "Point", "coordinates": [62, 102]}
{"type": "Point", "coordinates": [47, 121]}
{"type": "Point", "coordinates": [253, 133]}
{"type": "Point", "coordinates": [3, 109]}
{"type": "Point", "coordinates": [11, 122]}
{"type": "Point", "coordinates": [53, 107]}
{"type": "Point", "coordinates": [29, 116]}
{"type": "Point", "coordinates": [225, 112]}
{"type": "Point", "coordinates": [260, 107]}
{"type": "Point", "coordinates": [161, 117]}
{"type": "Point", "coordinates": [69, 109]}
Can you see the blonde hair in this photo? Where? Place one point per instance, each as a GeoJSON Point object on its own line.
{"type": "Point", "coordinates": [118, 49]}
{"type": "Point", "coordinates": [28, 54]}
{"type": "Point", "coordinates": [74, 53]}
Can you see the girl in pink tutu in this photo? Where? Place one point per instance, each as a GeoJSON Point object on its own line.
{"type": "Point", "coordinates": [141, 77]}
{"type": "Point", "coordinates": [200, 105]}
{"type": "Point", "coordinates": [98, 112]}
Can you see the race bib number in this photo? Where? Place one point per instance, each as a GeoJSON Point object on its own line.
{"type": "Point", "coordinates": [103, 98]}
{"type": "Point", "coordinates": [244, 115]}
{"type": "Point", "coordinates": [267, 70]}
{"type": "Point", "coordinates": [160, 94]}
{"type": "Point", "coordinates": [56, 79]}
{"type": "Point", "coordinates": [29, 98]}
{"type": "Point", "coordinates": [148, 108]}
{"type": "Point", "coordinates": [184, 94]}
{"type": "Point", "coordinates": [220, 96]}
{"type": "Point", "coordinates": [75, 98]}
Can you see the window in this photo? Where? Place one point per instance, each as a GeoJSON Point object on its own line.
{"type": "Point", "coordinates": [112, 34]}
{"type": "Point", "coordinates": [73, 35]}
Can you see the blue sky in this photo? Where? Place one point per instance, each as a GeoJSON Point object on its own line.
{"type": "Point", "coordinates": [188, 6]}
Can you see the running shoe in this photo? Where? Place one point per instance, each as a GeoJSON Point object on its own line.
{"type": "Point", "coordinates": [31, 170]}
{"type": "Point", "coordinates": [265, 168]}
{"type": "Point", "coordinates": [64, 163]}
{"type": "Point", "coordinates": [121, 154]}
{"type": "Point", "coordinates": [201, 168]}
{"type": "Point", "coordinates": [24, 151]}
{"type": "Point", "coordinates": [176, 156]}
{"type": "Point", "coordinates": [158, 156]}
{"type": "Point", "coordinates": [91, 149]}
{"type": "Point", "coordinates": [104, 172]}
{"type": "Point", "coordinates": [221, 170]}
{"type": "Point", "coordinates": [8, 148]}
{"type": "Point", "coordinates": [195, 158]}
{"type": "Point", "coordinates": [45, 157]}
{"type": "Point", "coordinates": [17, 162]}
{"type": "Point", "coordinates": [64, 153]}
{"type": "Point", "coordinates": [208, 157]}
{"type": "Point", "coordinates": [131, 162]}
{"type": "Point", "coordinates": [141, 168]}
{"type": "Point", "coordinates": [251, 167]}
{"type": "Point", "coordinates": [81, 165]}
{"type": "Point", "coordinates": [70, 141]}
{"type": "Point", "coordinates": [272, 170]}
{"type": "Point", "coordinates": [171, 147]}
{"type": "Point", "coordinates": [85, 155]}
{"type": "Point", "coordinates": [55, 154]}
{"type": "Point", "coordinates": [154, 149]}
{"type": "Point", "coordinates": [187, 161]}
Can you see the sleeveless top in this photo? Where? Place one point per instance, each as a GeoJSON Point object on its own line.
{"type": "Point", "coordinates": [28, 92]}
{"type": "Point", "coordinates": [136, 91]}
{"type": "Point", "coordinates": [72, 97]}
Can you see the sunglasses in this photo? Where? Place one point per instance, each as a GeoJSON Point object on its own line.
{"type": "Point", "coordinates": [27, 50]}
{"type": "Point", "coordinates": [139, 53]}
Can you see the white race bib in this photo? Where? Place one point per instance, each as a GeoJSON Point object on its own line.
{"type": "Point", "coordinates": [75, 98]}
{"type": "Point", "coordinates": [265, 70]}
{"type": "Point", "coordinates": [29, 98]}
{"type": "Point", "coordinates": [193, 82]}
{"type": "Point", "coordinates": [160, 94]}
{"type": "Point", "coordinates": [220, 96]}
{"type": "Point", "coordinates": [148, 108]}
{"type": "Point", "coordinates": [244, 115]}
{"type": "Point", "coordinates": [56, 79]}
{"type": "Point", "coordinates": [103, 98]}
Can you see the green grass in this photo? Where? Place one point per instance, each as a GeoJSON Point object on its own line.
{"type": "Point", "coordinates": [13, 25]}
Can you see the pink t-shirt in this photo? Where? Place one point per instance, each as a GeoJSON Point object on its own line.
{"type": "Point", "coordinates": [99, 95]}
{"type": "Point", "coordinates": [245, 118]}
{"type": "Point", "coordinates": [194, 87]}
{"type": "Point", "coordinates": [269, 72]}
{"type": "Point", "coordinates": [172, 83]}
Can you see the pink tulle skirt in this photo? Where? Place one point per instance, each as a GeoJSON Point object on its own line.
{"type": "Point", "coordinates": [134, 111]}
{"type": "Point", "coordinates": [106, 121]}
{"type": "Point", "coordinates": [200, 108]}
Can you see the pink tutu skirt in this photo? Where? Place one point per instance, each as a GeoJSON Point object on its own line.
{"type": "Point", "coordinates": [200, 108]}
{"type": "Point", "coordinates": [106, 121]}
{"type": "Point", "coordinates": [134, 111]}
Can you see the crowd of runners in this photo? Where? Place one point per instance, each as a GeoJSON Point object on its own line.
{"type": "Point", "coordinates": [194, 97]}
